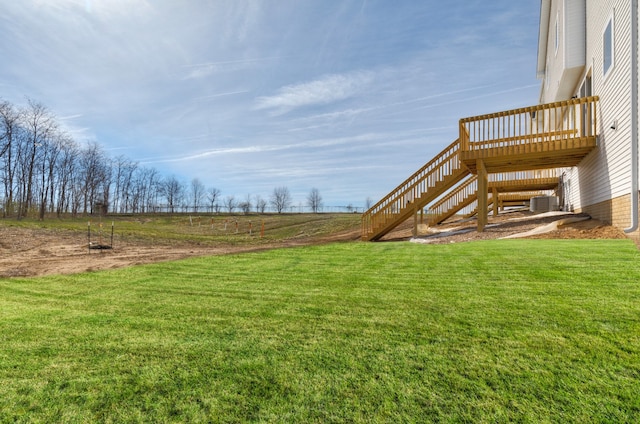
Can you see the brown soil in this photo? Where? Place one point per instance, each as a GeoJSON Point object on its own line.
{"type": "Point", "coordinates": [35, 252]}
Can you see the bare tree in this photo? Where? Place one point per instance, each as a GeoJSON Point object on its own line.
{"type": "Point", "coordinates": [245, 205]}
{"type": "Point", "coordinates": [9, 132]}
{"type": "Point", "coordinates": [368, 203]}
{"type": "Point", "coordinates": [173, 191]}
{"type": "Point", "coordinates": [95, 173]}
{"type": "Point", "coordinates": [66, 170]}
{"type": "Point", "coordinates": [280, 199]}
{"type": "Point", "coordinates": [123, 178]}
{"type": "Point", "coordinates": [212, 195]}
{"type": "Point", "coordinates": [153, 188]}
{"type": "Point", "coordinates": [261, 204]}
{"type": "Point", "coordinates": [314, 200]}
{"type": "Point", "coordinates": [51, 150]}
{"type": "Point", "coordinates": [119, 166]}
{"type": "Point", "coordinates": [9, 126]}
{"type": "Point", "coordinates": [230, 203]}
{"type": "Point", "coordinates": [39, 124]}
{"type": "Point", "coordinates": [197, 193]}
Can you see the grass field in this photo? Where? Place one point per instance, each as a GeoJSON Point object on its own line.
{"type": "Point", "coordinates": [206, 229]}
{"type": "Point", "coordinates": [495, 331]}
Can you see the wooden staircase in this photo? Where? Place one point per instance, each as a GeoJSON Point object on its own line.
{"type": "Point", "coordinates": [540, 137]}
{"type": "Point", "coordinates": [519, 184]}
{"type": "Point", "coordinates": [423, 187]}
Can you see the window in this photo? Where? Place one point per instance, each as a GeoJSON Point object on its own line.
{"type": "Point", "coordinates": [607, 48]}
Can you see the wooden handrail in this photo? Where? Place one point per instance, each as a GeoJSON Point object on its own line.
{"type": "Point", "coordinates": [454, 198]}
{"type": "Point", "coordinates": [432, 173]}
{"type": "Point", "coordinates": [575, 118]}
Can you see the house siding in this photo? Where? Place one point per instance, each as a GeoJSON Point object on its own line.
{"type": "Point", "coordinates": [604, 176]}
{"type": "Point", "coordinates": [555, 62]}
{"type": "Point", "coordinates": [575, 43]}
{"type": "Point", "coordinates": [564, 64]}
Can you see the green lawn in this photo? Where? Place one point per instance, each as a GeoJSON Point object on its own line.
{"type": "Point", "coordinates": [496, 331]}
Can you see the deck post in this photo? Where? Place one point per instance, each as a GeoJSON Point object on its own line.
{"type": "Point", "coordinates": [483, 194]}
{"type": "Point", "coordinates": [495, 201]}
{"type": "Point", "coordinates": [415, 219]}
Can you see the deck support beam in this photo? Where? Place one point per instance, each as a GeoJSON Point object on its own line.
{"type": "Point", "coordinates": [415, 219]}
{"type": "Point", "coordinates": [495, 201]}
{"type": "Point", "coordinates": [483, 194]}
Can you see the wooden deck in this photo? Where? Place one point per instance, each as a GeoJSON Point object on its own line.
{"type": "Point", "coordinates": [538, 155]}
{"type": "Point", "coordinates": [481, 162]}
{"type": "Point", "coordinates": [557, 134]}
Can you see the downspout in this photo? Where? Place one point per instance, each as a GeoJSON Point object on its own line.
{"type": "Point", "coordinates": [634, 118]}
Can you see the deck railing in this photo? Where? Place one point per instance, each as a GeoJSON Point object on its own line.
{"type": "Point", "coordinates": [522, 177]}
{"type": "Point", "coordinates": [519, 196]}
{"type": "Point", "coordinates": [566, 120]}
{"type": "Point", "coordinates": [458, 196]}
{"type": "Point", "coordinates": [430, 175]}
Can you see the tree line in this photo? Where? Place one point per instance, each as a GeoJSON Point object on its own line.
{"type": "Point", "coordinates": [43, 170]}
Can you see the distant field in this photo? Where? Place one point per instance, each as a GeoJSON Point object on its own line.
{"type": "Point", "coordinates": [204, 228]}
{"type": "Point", "coordinates": [528, 331]}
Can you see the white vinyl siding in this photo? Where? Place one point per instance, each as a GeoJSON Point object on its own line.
{"type": "Point", "coordinates": [565, 49]}
{"type": "Point", "coordinates": [557, 32]}
{"type": "Point", "coordinates": [605, 173]}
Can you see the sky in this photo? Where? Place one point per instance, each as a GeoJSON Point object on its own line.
{"type": "Point", "coordinates": [347, 96]}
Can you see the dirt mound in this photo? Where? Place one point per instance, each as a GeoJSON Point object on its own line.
{"type": "Point", "coordinates": [590, 229]}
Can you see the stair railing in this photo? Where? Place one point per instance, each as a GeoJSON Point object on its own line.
{"type": "Point", "coordinates": [411, 190]}
{"type": "Point", "coordinates": [459, 196]}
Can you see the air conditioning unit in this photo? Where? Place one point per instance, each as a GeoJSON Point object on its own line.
{"type": "Point", "coordinates": [544, 204]}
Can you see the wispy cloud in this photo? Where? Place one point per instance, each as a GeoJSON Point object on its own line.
{"type": "Point", "coordinates": [325, 90]}
{"type": "Point", "coordinates": [471, 98]}
{"type": "Point", "coordinates": [202, 70]}
{"type": "Point", "coordinates": [213, 96]}
{"type": "Point", "coordinates": [66, 118]}
{"type": "Point", "coordinates": [263, 148]}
